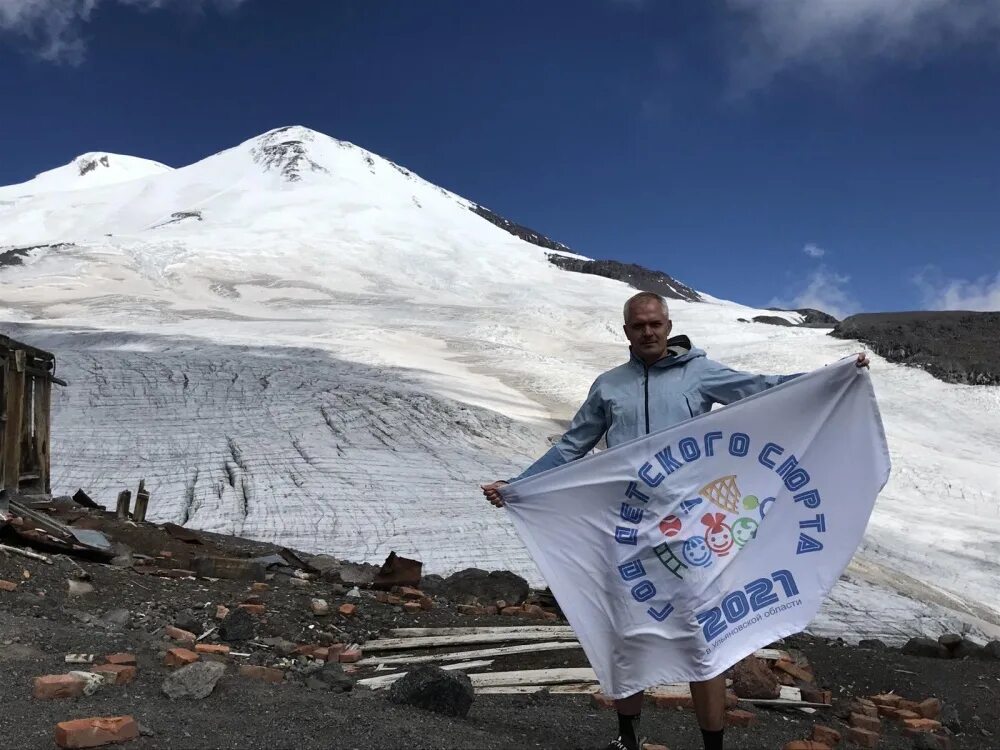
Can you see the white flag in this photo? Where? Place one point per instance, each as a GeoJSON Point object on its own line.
{"type": "Point", "coordinates": [679, 553]}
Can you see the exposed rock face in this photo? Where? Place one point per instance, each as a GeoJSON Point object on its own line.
{"type": "Point", "coordinates": [773, 320]}
{"type": "Point", "coordinates": [954, 346]}
{"type": "Point", "coordinates": [811, 318]}
{"type": "Point", "coordinates": [284, 151]}
{"type": "Point", "coordinates": [526, 234]}
{"type": "Point", "coordinates": [752, 678]}
{"type": "Point", "coordinates": [636, 276]}
{"type": "Point", "coordinates": [472, 585]}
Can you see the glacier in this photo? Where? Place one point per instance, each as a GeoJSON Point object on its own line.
{"type": "Point", "coordinates": [302, 342]}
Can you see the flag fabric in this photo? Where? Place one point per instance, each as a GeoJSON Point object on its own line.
{"type": "Point", "coordinates": [677, 554]}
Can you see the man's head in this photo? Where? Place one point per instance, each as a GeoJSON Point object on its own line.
{"type": "Point", "coordinates": [647, 326]}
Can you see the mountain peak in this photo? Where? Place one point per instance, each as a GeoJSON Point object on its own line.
{"type": "Point", "coordinates": [286, 151]}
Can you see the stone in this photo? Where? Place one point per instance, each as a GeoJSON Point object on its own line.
{"type": "Point", "coordinates": [357, 574]}
{"type": "Point", "coordinates": [327, 567]}
{"type": "Point", "coordinates": [753, 679]}
{"type": "Point", "coordinates": [473, 585]}
{"type": "Point", "coordinates": [96, 732]}
{"type": "Point", "coordinates": [871, 723]}
{"type": "Point", "coordinates": [826, 735]}
{"type": "Point", "coordinates": [949, 717]}
{"type": "Point", "coordinates": [189, 623]}
{"type": "Point", "coordinates": [804, 745]}
{"type": "Point", "coordinates": [332, 675]}
{"type": "Point", "coordinates": [57, 686]}
{"type": "Point", "coordinates": [260, 586]}
{"type": "Point", "coordinates": [7, 585]}
{"type": "Point", "coordinates": [221, 612]}
{"type": "Point", "coordinates": [319, 607]}
{"type": "Point", "coordinates": [231, 568]}
{"type": "Point", "coordinates": [254, 609]}
{"type": "Point", "coordinates": [194, 682]}
{"type": "Point", "coordinates": [928, 741]}
{"type": "Point", "coordinates": [434, 689]}
{"type": "Point", "coordinates": [739, 718]}
{"type": "Point", "coordinates": [347, 610]}
{"type": "Point", "coordinates": [863, 737]}
{"type": "Point", "coordinates": [115, 674]}
{"type": "Point", "coordinates": [237, 626]}
{"type": "Point", "coordinates": [930, 708]}
{"type": "Point", "coordinates": [398, 571]}
{"type": "Point", "coordinates": [925, 647]}
{"type": "Point", "coordinates": [873, 644]}
{"type": "Point", "coordinates": [991, 650]}
{"type": "Point", "coordinates": [950, 640]}
{"type": "Point", "coordinates": [116, 618]}
{"type": "Point", "coordinates": [966, 649]}
{"type": "Point", "coordinates": [412, 607]}
{"type": "Point", "coordinates": [266, 674]}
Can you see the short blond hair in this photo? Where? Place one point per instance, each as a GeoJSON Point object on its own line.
{"type": "Point", "coordinates": [645, 297]}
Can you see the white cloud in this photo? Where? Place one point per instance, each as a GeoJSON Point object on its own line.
{"type": "Point", "coordinates": [814, 251]}
{"type": "Point", "coordinates": [822, 290]}
{"type": "Point", "coordinates": [836, 34]}
{"type": "Point", "coordinates": [958, 294]}
{"type": "Point", "coordinates": [54, 26]}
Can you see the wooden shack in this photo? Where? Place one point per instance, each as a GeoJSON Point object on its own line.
{"type": "Point", "coordinates": [26, 378]}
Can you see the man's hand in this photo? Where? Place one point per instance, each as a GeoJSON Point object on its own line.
{"type": "Point", "coordinates": [492, 492]}
{"type": "Point", "coordinates": [863, 360]}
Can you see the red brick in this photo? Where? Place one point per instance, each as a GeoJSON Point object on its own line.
{"type": "Point", "coordinates": [408, 592]}
{"type": "Point", "coordinates": [510, 611]}
{"type": "Point", "coordinates": [887, 699]}
{"type": "Point", "coordinates": [212, 648]}
{"type": "Point", "coordinates": [321, 653]}
{"type": "Point", "coordinates": [127, 659]}
{"type": "Point", "coordinates": [863, 737]}
{"type": "Point", "coordinates": [533, 611]}
{"type": "Point", "coordinates": [267, 674]}
{"type": "Point", "coordinates": [221, 612]}
{"type": "Point", "coordinates": [334, 650]}
{"type": "Point", "coordinates": [349, 656]}
{"type": "Point", "coordinates": [7, 585]}
{"type": "Point", "coordinates": [471, 610]}
{"type": "Point", "coordinates": [813, 694]}
{"type": "Point", "coordinates": [731, 700]}
{"type": "Point", "coordinates": [178, 657]}
{"type": "Point", "coordinates": [383, 597]}
{"type": "Point", "coordinates": [826, 735]}
{"type": "Point", "coordinates": [177, 634]}
{"type": "Point", "coordinates": [96, 732]}
{"type": "Point", "coordinates": [805, 745]}
{"type": "Point", "coordinates": [864, 706]}
{"type": "Point", "coordinates": [739, 718]}
{"type": "Point", "coordinates": [252, 599]}
{"type": "Point", "coordinates": [122, 674]}
{"type": "Point", "coordinates": [909, 705]}
{"type": "Point", "coordinates": [426, 603]}
{"type": "Point", "coordinates": [412, 607]}
{"type": "Point", "coordinates": [550, 616]}
{"type": "Point", "coordinates": [166, 554]}
{"type": "Point", "coordinates": [347, 610]}
{"type": "Point", "coordinates": [871, 723]}
{"type": "Point", "coordinates": [600, 700]}
{"type": "Point", "coordinates": [902, 714]}
{"type": "Point", "coordinates": [794, 670]}
{"type": "Point", "coordinates": [53, 686]}
{"type": "Point", "coordinates": [254, 609]}
{"type": "Point", "coordinates": [670, 701]}
{"type": "Point", "coordinates": [921, 725]}
{"type": "Point", "coordinates": [930, 708]}
{"type": "Point", "coordinates": [258, 586]}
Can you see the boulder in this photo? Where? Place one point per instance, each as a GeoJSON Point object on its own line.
{"type": "Point", "coordinates": [873, 644]}
{"type": "Point", "coordinates": [195, 681]}
{"type": "Point", "coordinates": [358, 574]}
{"type": "Point", "coordinates": [991, 651]}
{"type": "Point", "coordinates": [752, 678]}
{"type": "Point", "coordinates": [949, 718]}
{"type": "Point", "coordinates": [434, 689]}
{"type": "Point", "coordinates": [926, 647]}
{"type": "Point", "coordinates": [237, 626]}
{"type": "Point", "coordinates": [473, 585]}
{"type": "Point", "coordinates": [332, 676]}
{"type": "Point", "coordinates": [327, 567]}
{"type": "Point", "coordinates": [966, 649]}
{"type": "Point", "coordinates": [950, 640]}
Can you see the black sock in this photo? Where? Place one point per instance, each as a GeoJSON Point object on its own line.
{"type": "Point", "coordinates": [628, 730]}
{"type": "Point", "coordinates": [713, 740]}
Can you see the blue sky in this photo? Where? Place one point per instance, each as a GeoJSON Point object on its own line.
{"type": "Point", "coordinates": [801, 152]}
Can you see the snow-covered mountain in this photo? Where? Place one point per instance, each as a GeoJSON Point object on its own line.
{"type": "Point", "coordinates": [298, 340]}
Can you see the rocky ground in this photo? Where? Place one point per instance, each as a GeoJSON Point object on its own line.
{"type": "Point", "coordinates": [130, 605]}
{"type": "Point", "coordinates": [954, 346]}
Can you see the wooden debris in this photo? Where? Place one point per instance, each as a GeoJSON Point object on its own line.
{"type": "Point", "coordinates": [26, 553]}
{"type": "Point", "coordinates": [395, 644]}
{"type": "Point", "coordinates": [525, 648]}
{"type": "Point", "coordinates": [418, 632]}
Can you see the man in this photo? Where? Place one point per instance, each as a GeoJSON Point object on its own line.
{"type": "Point", "coordinates": [664, 382]}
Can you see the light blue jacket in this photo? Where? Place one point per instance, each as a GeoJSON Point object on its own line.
{"type": "Point", "coordinates": [634, 399]}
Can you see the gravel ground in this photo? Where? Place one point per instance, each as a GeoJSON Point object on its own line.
{"type": "Point", "coordinates": [40, 623]}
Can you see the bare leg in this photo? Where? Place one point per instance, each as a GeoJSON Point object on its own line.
{"type": "Point", "coordinates": [710, 703]}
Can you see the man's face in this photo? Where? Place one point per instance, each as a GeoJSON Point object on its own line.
{"type": "Point", "coordinates": [647, 330]}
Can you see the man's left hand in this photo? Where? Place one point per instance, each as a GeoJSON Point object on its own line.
{"type": "Point", "coordinates": [863, 360]}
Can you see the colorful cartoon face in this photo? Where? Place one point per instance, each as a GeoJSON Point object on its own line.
{"type": "Point", "coordinates": [670, 526]}
{"type": "Point", "coordinates": [744, 529]}
{"type": "Point", "coordinates": [696, 552]}
{"type": "Point", "coordinates": [719, 536]}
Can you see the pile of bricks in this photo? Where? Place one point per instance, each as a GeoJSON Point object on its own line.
{"type": "Point", "coordinates": [410, 599]}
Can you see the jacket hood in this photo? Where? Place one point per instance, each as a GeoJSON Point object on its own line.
{"type": "Point", "coordinates": [679, 351]}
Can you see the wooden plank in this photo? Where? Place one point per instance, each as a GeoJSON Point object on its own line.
{"type": "Point", "coordinates": [571, 689]}
{"type": "Point", "coordinates": [772, 654]}
{"type": "Point", "coordinates": [533, 677]}
{"type": "Point", "coordinates": [416, 632]}
{"type": "Point", "coordinates": [15, 415]}
{"type": "Point", "coordinates": [396, 644]}
{"type": "Point", "coordinates": [42, 407]}
{"type": "Point", "coordinates": [782, 702]}
{"type": "Point", "coordinates": [789, 693]}
{"type": "Point", "coordinates": [524, 648]}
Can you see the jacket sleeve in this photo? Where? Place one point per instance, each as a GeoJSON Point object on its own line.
{"type": "Point", "coordinates": [724, 385]}
{"type": "Point", "coordinates": [585, 431]}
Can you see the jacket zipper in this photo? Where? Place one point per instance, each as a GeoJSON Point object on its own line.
{"type": "Point", "coordinates": [645, 388]}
